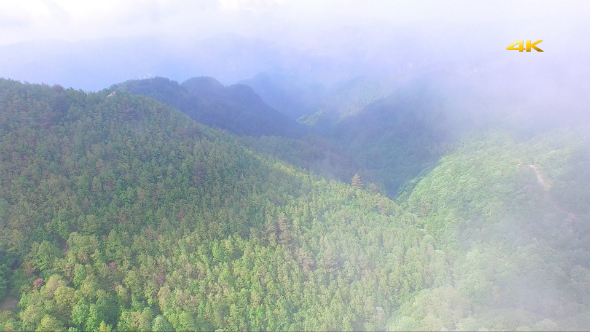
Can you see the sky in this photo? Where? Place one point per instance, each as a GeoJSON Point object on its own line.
{"type": "Point", "coordinates": [74, 20]}
{"type": "Point", "coordinates": [93, 44]}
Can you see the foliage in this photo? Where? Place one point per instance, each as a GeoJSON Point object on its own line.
{"type": "Point", "coordinates": [518, 248]}
{"type": "Point", "coordinates": [132, 216]}
{"type": "Point", "coordinates": [120, 213]}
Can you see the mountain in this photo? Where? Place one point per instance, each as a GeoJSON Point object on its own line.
{"type": "Point", "coordinates": [240, 111]}
{"type": "Point", "coordinates": [290, 95]}
{"type": "Point", "coordinates": [235, 108]}
{"type": "Point", "coordinates": [118, 211]}
{"type": "Point", "coordinates": [93, 65]}
{"type": "Point", "coordinates": [398, 136]}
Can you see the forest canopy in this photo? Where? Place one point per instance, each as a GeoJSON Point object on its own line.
{"type": "Point", "coordinates": [118, 212]}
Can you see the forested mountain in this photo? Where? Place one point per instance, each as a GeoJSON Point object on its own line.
{"type": "Point", "coordinates": [235, 108]}
{"type": "Point", "coordinates": [396, 128]}
{"type": "Point", "coordinates": [393, 129]}
{"type": "Point", "coordinates": [120, 212]}
{"type": "Point", "coordinates": [399, 136]}
{"type": "Point", "coordinates": [239, 110]}
{"type": "Point", "coordinates": [294, 165]}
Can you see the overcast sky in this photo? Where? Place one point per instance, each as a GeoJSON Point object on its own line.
{"type": "Point", "coordinates": [74, 20]}
{"type": "Point", "coordinates": [342, 37]}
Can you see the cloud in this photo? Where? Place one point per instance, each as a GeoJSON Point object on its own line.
{"type": "Point", "coordinates": [279, 20]}
{"type": "Point", "coordinates": [255, 6]}
{"type": "Point", "coordinates": [8, 22]}
{"type": "Point", "coordinates": [57, 11]}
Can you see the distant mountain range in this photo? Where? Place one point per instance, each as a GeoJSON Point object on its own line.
{"type": "Point", "coordinates": [235, 108]}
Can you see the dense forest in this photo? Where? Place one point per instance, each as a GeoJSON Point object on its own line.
{"type": "Point", "coordinates": [121, 212]}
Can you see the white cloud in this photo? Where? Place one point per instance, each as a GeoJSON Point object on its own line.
{"type": "Point", "coordinates": [255, 6]}
{"type": "Point", "coordinates": [276, 19]}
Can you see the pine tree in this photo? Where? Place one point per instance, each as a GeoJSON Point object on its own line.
{"type": "Point", "coordinates": [330, 260]}
{"type": "Point", "coordinates": [374, 188]}
{"type": "Point", "coordinates": [356, 181]}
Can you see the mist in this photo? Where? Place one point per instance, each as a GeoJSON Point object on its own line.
{"type": "Point", "coordinates": [452, 172]}
{"type": "Point", "coordinates": [461, 46]}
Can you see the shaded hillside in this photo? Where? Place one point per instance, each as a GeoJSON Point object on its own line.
{"type": "Point", "coordinates": [399, 136]}
{"type": "Point", "coordinates": [287, 94]}
{"type": "Point", "coordinates": [235, 108]}
{"type": "Point", "coordinates": [311, 152]}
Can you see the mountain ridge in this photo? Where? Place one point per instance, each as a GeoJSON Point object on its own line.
{"type": "Point", "coordinates": [235, 108]}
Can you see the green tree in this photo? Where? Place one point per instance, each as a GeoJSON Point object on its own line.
{"type": "Point", "coordinates": [50, 323]}
{"type": "Point", "coordinates": [79, 314]}
{"type": "Point", "coordinates": [186, 322]}
{"type": "Point", "coordinates": [161, 324]}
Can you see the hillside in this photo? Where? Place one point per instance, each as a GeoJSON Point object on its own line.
{"type": "Point", "coordinates": [235, 108]}
{"type": "Point", "coordinates": [399, 136]}
{"type": "Point", "coordinates": [120, 212]}
{"type": "Point", "coordinates": [239, 110]}
{"type": "Point", "coordinates": [512, 216]}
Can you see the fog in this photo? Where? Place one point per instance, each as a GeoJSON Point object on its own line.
{"type": "Point", "coordinates": [95, 44]}
{"type": "Point", "coordinates": [344, 62]}
{"type": "Point", "coordinates": [315, 44]}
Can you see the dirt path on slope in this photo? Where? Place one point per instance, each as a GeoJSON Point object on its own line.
{"type": "Point", "coordinates": [552, 201]}
{"type": "Point", "coordinates": [540, 178]}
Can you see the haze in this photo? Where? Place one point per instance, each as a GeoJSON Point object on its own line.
{"type": "Point", "coordinates": [110, 41]}
{"type": "Point", "coordinates": [294, 165]}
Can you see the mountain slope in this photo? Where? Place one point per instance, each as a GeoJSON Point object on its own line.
{"type": "Point", "coordinates": [240, 111]}
{"type": "Point", "coordinates": [235, 108]}
{"type": "Point", "coordinates": [399, 136]}
{"type": "Point", "coordinates": [518, 246]}
{"type": "Point", "coordinates": [120, 212]}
